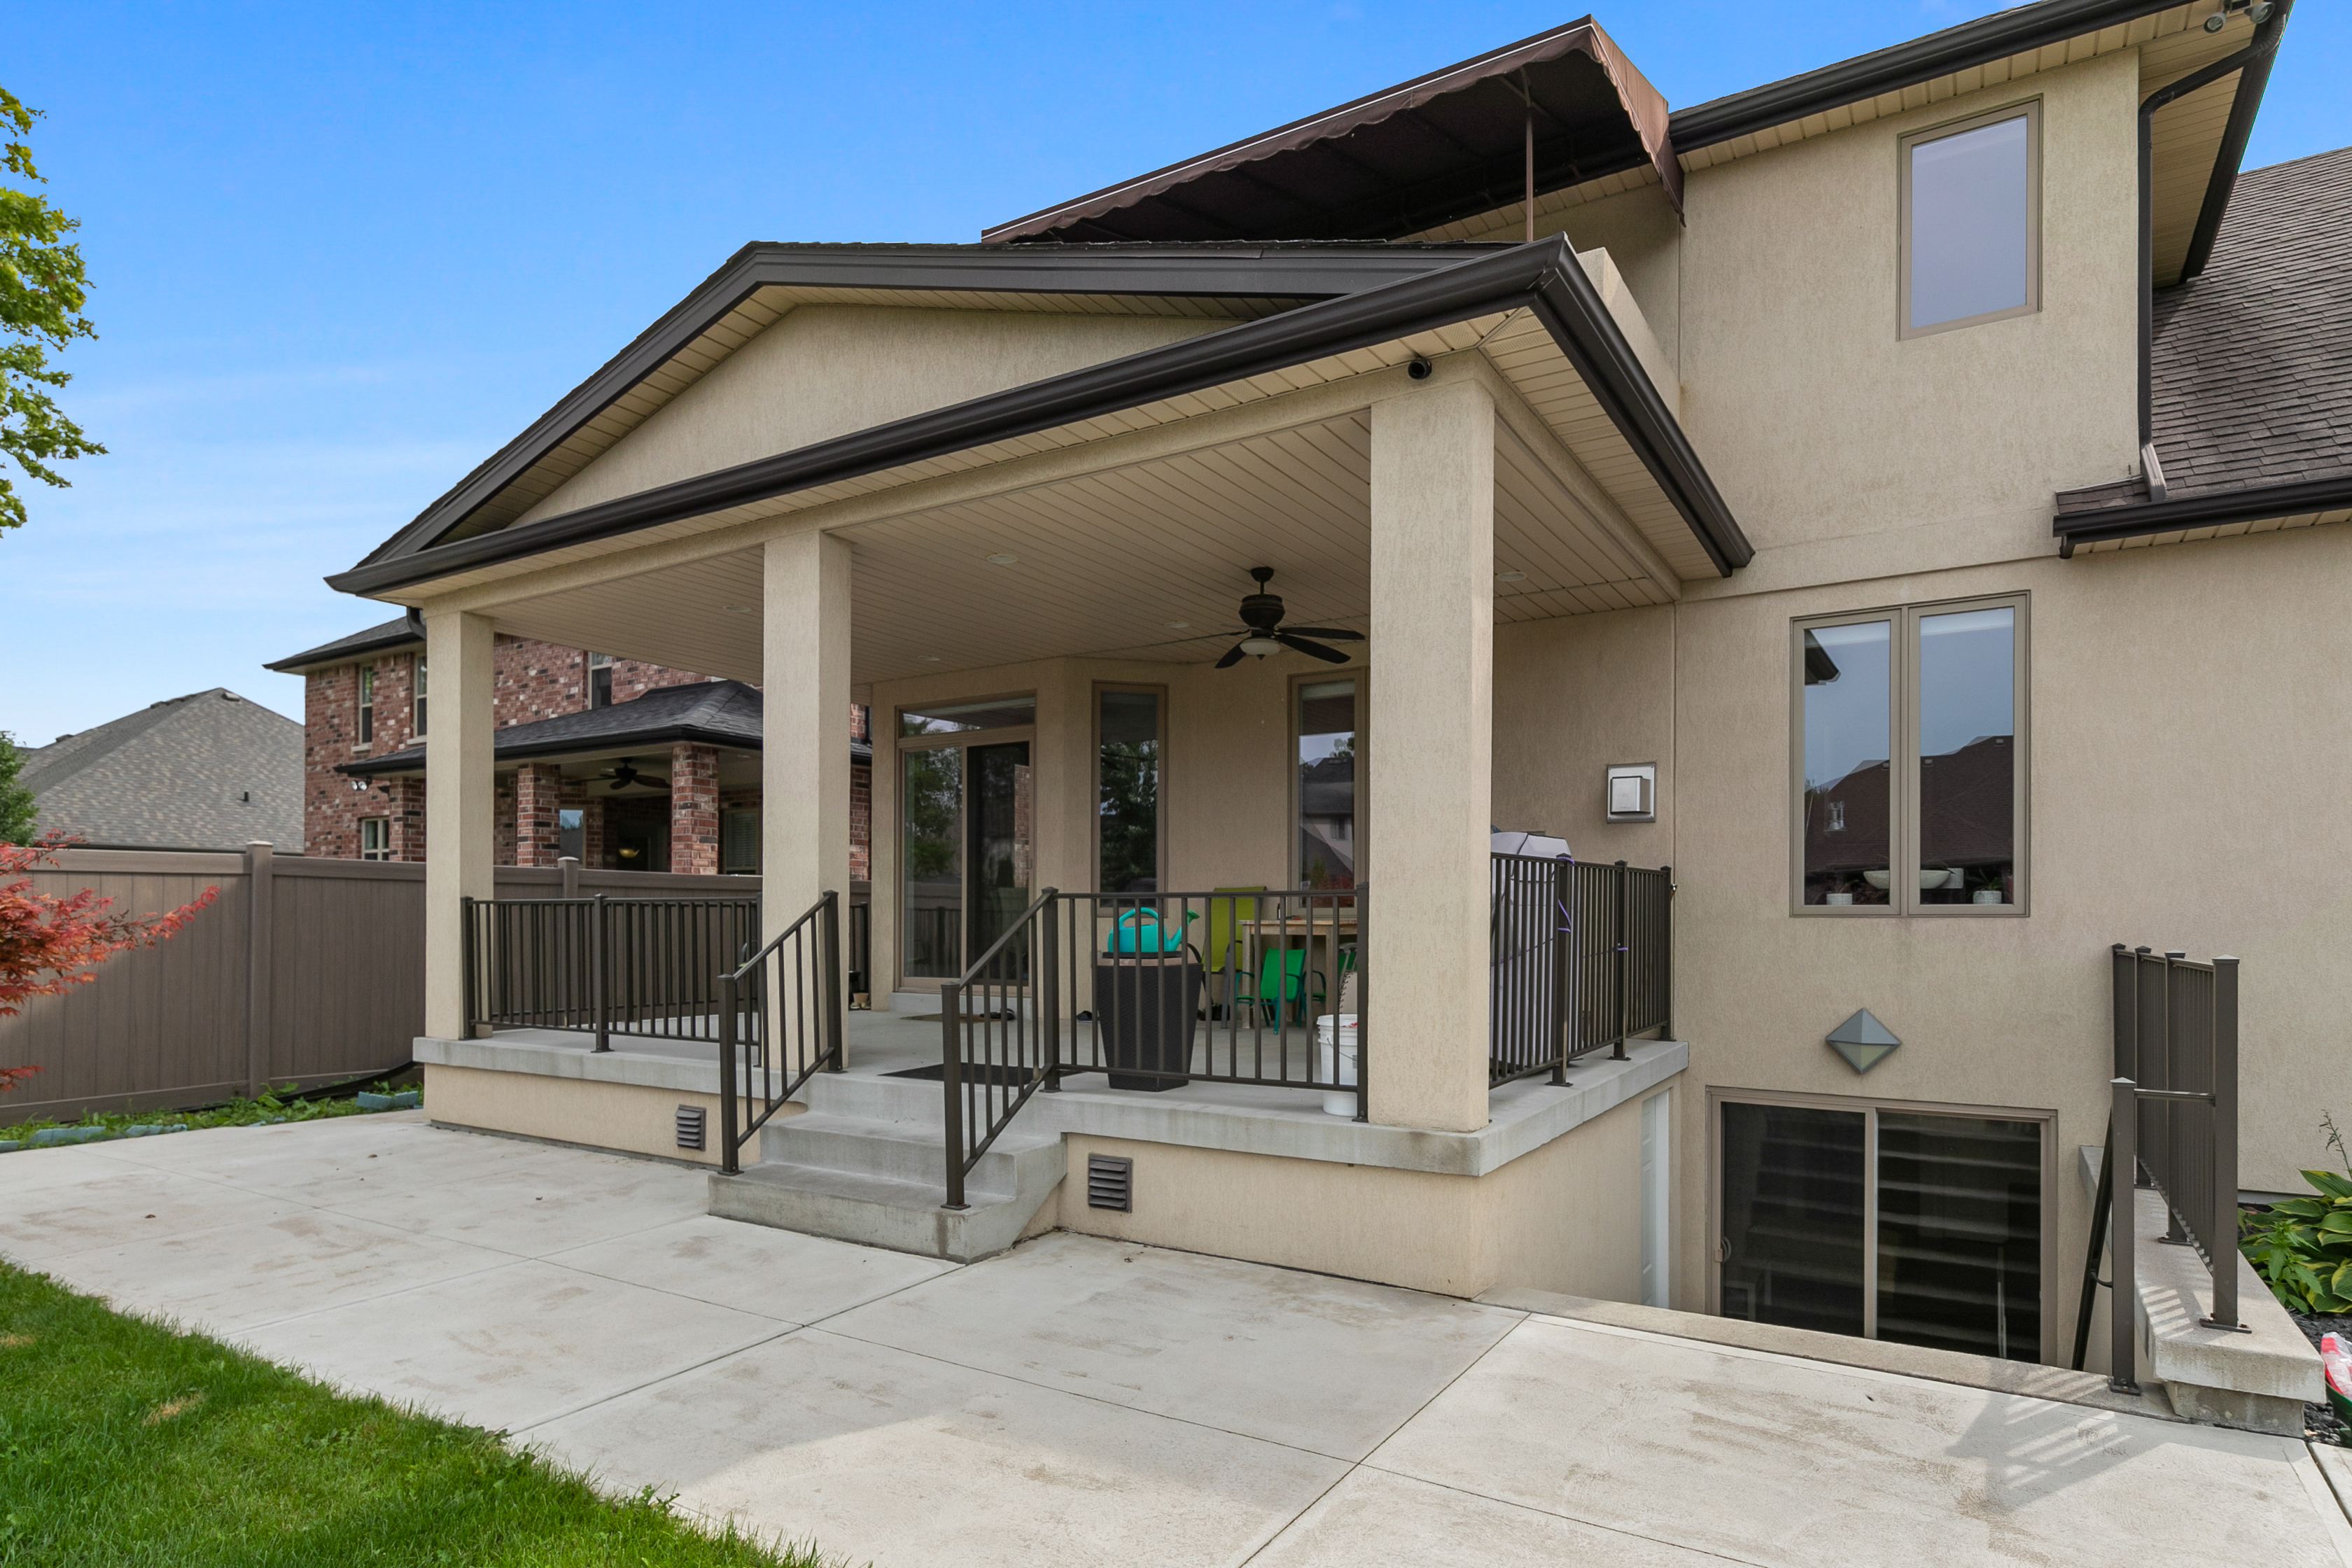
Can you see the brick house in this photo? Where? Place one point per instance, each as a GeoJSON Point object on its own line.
{"type": "Point", "coordinates": [628, 765]}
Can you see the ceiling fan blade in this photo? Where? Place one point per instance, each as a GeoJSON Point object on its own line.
{"type": "Point", "coordinates": [1334, 633]}
{"type": "Point", "coordinates": [1312, 650]}
{"type": "Point", "coordinates": [1232, 657]}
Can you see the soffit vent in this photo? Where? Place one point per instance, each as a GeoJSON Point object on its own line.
{"type": "Point", "coordinates": [1110, 1183]}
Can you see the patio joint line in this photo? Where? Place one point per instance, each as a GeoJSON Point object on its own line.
{"type": "Point", "coordinates": [784, 1332]}
{"type": "Point", "coordinates": [1572, 1519]}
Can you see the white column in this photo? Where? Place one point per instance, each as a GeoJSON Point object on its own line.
{"type": "Point", "coordinates": [1428, 791]}
{"type": "Point", "coordinates": [805, 728]}
{"type": "Point", "coordinates": [459, 807]}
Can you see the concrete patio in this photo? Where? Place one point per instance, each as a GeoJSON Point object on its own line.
{"type": "Point", "coordinates": [1082, 1401]}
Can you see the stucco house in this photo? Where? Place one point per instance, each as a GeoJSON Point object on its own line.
{"type": "Point", "coordinates": [1814, 506]}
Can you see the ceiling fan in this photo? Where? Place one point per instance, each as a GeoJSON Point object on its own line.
{"type": "Point", "coordinates": [626, 775]}
{"type": "Point", "coordinates": [1262, 633]}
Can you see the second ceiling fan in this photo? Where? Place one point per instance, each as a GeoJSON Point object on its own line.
{"type": "Point", "coordinates": [1262, 631]}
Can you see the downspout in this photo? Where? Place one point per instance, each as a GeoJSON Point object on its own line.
{"type": "Point", "coordinates": [2266, 40]}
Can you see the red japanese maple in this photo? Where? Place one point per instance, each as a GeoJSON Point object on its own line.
{"type": "Point", "coordinates": [49, 944]}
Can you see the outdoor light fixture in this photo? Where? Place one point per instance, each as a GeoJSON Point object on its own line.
{"type": "Point", "coordinates": [1259, 647]}
{"type": "Point", "coordinates": [1510, 577]}
{"type": "Point", "coordinates": [1002, 560]}
{"type": "Point", "coordinates": [1178, 626]}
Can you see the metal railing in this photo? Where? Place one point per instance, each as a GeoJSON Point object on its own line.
{"type": "Point", "coordinates": [603, 965]}
{"type": "Point", "coordinates": [997, 1044]}
{"type": "Point", "coordinates": [1582, 960]}
{"type": "Point", "coordinates": [2173, 1126]}
{"type": "Point", "coordinates": [780, 1022]}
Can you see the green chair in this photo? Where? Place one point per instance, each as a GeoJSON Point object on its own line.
{"type": "Point", "coordinates": [1282, 982]}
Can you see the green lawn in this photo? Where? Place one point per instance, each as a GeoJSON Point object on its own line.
{"type": "Point", "coordinates": [125, 1444]}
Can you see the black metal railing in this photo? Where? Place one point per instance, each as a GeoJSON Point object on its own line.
{"type": "Point", "coordinates": [780, 1022]}
{"type": "Point", "coordinates": [2173, 1126]}
{"type": "Point", "coordinates": [603, 965]}
{"type": "Point", "coordinates": [1581, 959]}
{"type": "Point", "coordinates": [999, 1043]}
{"type": "Point", "coordinates": [861, 944]}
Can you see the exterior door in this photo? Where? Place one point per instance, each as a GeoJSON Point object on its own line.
{"type": "Point", "coordinates": [966, 833]}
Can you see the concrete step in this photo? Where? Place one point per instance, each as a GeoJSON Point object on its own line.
{"type": "Point", "coordinates": [909, 1151]}
{"type": "Point", "coordinates": [872, 1097]}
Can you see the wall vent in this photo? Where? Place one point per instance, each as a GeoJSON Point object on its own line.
{"type": "Point", "coordinates": [690, 1120]}
{"type": "Point", "coordinates": [1110, 1183]}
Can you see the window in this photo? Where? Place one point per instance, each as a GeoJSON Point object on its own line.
{"type": "Point", "coordinates": [420, 695]}
{"type": "Point", "coordinates": [1326, 784]}
{"type": "Point", "coordinates": [739, 842]}
{"type": "Point", "coordinates": [367, 704]}
{"type": "Point", "coordinates": [1971, 217]}
{"type": "Point", "coordinates": [572, 833]}
{"type": "Point", "coordinates": [1127, 791]}
{"type": "Point", "coordinates": [1918, 1224]}
{"type": "Point", "coordinates": [965, 817]}
{"type": "Point", "coordinates": [600, 680]}
{"type": "Point", "coordinates": [375, 839]}
{"type": "Point", "coordinates": [1910, 771]}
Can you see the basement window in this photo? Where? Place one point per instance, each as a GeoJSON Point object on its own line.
{"type": "Point", "coordinates": [1972, 222]}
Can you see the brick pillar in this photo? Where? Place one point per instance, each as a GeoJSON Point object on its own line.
{"type": "Point", "coordinates": [407, 809]}
{"type": "Point", "coordinates": [539, 787]}
{"type": "Point", "coordinates": [694, 809]}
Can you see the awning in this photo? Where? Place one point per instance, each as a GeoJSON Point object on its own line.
{"type": "Point", "coordinates": [1402, 160]}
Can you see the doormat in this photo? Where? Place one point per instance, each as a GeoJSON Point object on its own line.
{"type": "Point", "coordinates": [1000, 1016]}
{"type": "Point", "coordinates": [973, 1072]}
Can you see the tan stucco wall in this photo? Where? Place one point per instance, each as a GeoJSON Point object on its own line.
{"type": "Point", "coordinates": [631, 1117]}
{"type": "Point", "coordinates": [1566, 1217]}
{"type": "Point", "coordinates": [827, 370]}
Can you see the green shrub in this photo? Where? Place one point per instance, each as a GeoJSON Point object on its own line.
{"type": "Point", "coordinates": [2303, 1246]}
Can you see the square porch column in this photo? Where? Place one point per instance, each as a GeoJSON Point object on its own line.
{"type": "Point", "coordinates": [694, 809]}
{"type": "Point", "coordinates": [805, 729]}
{"type": "Point", "coordinates": [458, 808]}
{"type": "Point", "coordinates": [1429, 788]}
{"type": "Point", "coordinates": [538, 789]}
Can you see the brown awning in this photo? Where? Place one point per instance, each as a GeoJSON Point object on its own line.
{"type": "Point", "coordinates": [1402, 160]}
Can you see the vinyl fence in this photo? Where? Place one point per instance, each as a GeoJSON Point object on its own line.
{"type": "Point", "coordinates": [312, 971]}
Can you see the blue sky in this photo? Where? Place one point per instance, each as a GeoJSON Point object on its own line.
{"type": "Point", "coordinates": [339, 254]}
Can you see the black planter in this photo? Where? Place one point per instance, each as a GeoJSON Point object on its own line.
{"type": "Point", "coordinates": [1146, 1014]}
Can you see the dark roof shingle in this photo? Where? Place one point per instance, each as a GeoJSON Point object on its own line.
{"type": "Point", "coordinates": [208, 771]}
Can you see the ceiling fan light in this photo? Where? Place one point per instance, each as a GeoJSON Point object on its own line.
{"type": "Point", "coordinates": [1259, 647]}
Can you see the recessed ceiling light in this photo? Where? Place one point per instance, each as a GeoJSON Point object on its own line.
{"type": "Point", "coordinates": [1512, 576]}
{"type": "Point", "coordinates": [1178, 626]}
{"type": "Point", "coordinates": [737, 609]}
{"type": "Point", "coordinates": [1002, 560]}
{"type": "Point", "coordinates": [930, 658]}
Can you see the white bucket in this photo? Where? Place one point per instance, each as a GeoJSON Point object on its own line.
{"type": "Point", "coordinates": [1336, 1103]}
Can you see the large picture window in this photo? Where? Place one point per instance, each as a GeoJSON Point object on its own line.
{"type": "Point", "coordinates": [1127, 790]}
{"type": "Point", "coordinates": [1971, 221]}
{"type": "Point", "coordinates": [1329, 758]}
{"type": "Point", "coordinates": [1910, 766]}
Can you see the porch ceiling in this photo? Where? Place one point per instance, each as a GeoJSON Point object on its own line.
{"type": "Point", "coordinates": [1107, 559]}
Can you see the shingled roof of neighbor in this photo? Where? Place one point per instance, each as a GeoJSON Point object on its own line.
{"type": "Point", "coordinates": [208, 771]}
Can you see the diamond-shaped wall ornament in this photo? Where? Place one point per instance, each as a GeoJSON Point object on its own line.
{"type": "Point", "coordinates": [1862, 1041]}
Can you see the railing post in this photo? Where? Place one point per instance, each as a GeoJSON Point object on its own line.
{"type": "Point", "coordinates": [471, 982]}
{"type": "Point", "coordinates": [2127, 990]}
{"type": "Point", "coordinates": [2223, 1245]}
{"type": "Point", "coordinates": [2167, 1166]}
{"type": "Point", "coordinates": [952, 1088]}
{"type": "Point", "coordinates": [260, 987]}
{"type": "Point", "coordinates": [601, 971]}
{"type": "Point", "coordinates": [727, 1000]}
{"type": "Point", "coordinates": [1363, 1013]}
{"type": "Point", "coordinates": [1666, 952]}
{"type": "Point", "coordinates": [568, 868]}
{"type": "Point", "coordinates": [1045, 1001]}
{"type": "Point", "coordinates": [1558, 919]}
{"type": "Point", "coordinates": [1624, 963]}
{"type": "Point", "coordinates": [2123, 1292]}
{"type": "Point", "coordinates": [835, 1003]}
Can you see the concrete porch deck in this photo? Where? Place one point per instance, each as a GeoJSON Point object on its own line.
{"type": "Point", "coordinates": [1082, 1401]}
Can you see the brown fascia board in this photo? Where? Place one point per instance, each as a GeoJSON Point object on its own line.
{"type": "Point", "coordinates": [2215, 510]}
{"type": "Point", "coordinates": [351, 649]}
{"type": "Point", "coordinates": [1209, 271]}
{"type": "Point", "coordinates": [1545, 276]}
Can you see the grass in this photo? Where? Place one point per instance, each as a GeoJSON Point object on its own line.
{"type": "Point", "coordinates": [124, 1443]}
{"type": "Point", "coordinates": [265, 1107]}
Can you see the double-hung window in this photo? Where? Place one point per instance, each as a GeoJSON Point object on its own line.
{"type": "Point", "coordinates": [367, 704]}
{"type": "Point", "coordinates": [1909, 760]}
{"type": "Point", "coordinates": [375, 839]}
{"type": "Point", "coordinates": [1971, 221]}
{"type": "Point", "coordinates": [418, 728]}
{"type": "Point", "coordinates": [600, 680]}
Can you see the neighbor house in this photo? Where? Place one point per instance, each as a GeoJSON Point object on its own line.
{"type": "Point", "coordinates": [208, 771]}
{"type": "Point", "coordinates": [1884, 496]}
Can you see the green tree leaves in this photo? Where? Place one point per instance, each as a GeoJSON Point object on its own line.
{"type": "Point", "coordinates": [42, 289]}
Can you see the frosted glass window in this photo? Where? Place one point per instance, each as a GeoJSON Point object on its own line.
{"type": "Point", "coordinates": [1970, 201]}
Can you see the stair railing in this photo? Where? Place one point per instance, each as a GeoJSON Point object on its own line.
{"type": "Point", "coordinates": [780, 1024]}
{"type": "Point", "coordinates": [1000, 1037]}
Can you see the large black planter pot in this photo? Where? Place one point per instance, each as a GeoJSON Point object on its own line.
{"type": "Point", "coordinates": [1147, 1013]}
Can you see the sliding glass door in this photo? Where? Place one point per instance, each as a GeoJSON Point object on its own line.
{"type": "Point", "coordinates": [965, 831]}
{"type": "Point", "coordinates": [1916, 1226]}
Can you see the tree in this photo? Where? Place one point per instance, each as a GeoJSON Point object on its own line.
{"type": "Point", "coordinates": [49, 944]}
{"type": "Point", "coordinates": [42, 288]}
{"type": "Point", "coordinates": [15, 800]}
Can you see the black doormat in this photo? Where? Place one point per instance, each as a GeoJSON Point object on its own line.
{"type": "Point", "coordinates": [973, 1072]}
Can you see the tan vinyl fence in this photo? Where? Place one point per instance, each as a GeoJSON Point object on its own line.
{"type": "Point", "coordinates": [312, 971]}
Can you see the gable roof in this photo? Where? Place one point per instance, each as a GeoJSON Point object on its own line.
{"type": "Point", "coordinates": [408, 630]}
{"type": "Point", "coordinates": [706, 713]}
{"type": "Point", "coordinates": [208, 771]}
{"type": "Point", "coordinates": [2251, 368]}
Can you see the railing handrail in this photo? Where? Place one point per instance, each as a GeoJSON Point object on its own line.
{"type": "Point", "coordinates": [821, 923]}
{"type": "Point", "coordinates": [745, 968]}
{"type": "Point", "coordinates": [972, 970]}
